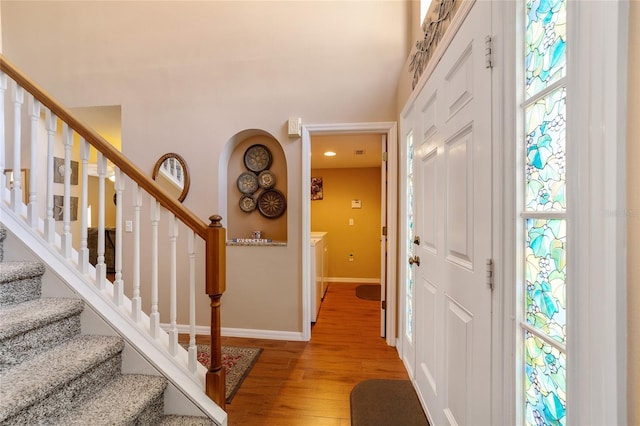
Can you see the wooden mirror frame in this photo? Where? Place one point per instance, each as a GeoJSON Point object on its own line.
{"type": "Point", "coordinates": [185, 172]}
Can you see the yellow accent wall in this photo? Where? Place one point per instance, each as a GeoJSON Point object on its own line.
{"type": "Point", "coordinates": [633, 223]}
{"type": "Point", "coordinates": [332, 214]}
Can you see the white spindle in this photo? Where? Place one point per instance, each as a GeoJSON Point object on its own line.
{"type": "Point", "coordinates": [193, 350]}
{"type": "Point", "coordinates": [118, 291]}
{"type": "Point", "coordinates": [33, 172]}
{"type": "Point", "coordinates": [173, 303]}
{"type": "Point", "coordinates": [3, 89]}
{"type": "Point", "coordinates": [67, 138]}
{"type": "Point", "coordinates": [50, 223]}
{"type": "Point", "coordinates": [155, 315]}
{"type": "Point", "coordinates": [136, 300]}
{"type": "Point", "coordinates": [83, 253]}
{"type": "Point", "coordinates": [16, 193]}
{"type": "Point", "coordinates": [101, 268]}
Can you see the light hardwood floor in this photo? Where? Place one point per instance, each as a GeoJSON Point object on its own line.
{"type": "Point", "coordinates": [309, 383]}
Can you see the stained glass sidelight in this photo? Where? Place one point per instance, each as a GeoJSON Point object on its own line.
{"type": "Point", "coordinates": [545, 383]}
{"type": "Point", "coordinates": [545, 44]}
{"type": "Point", "coordinates": [545, 153]}
{"type": "Point", "coordinates": [545, 273]}
{"type": "Point", "coordinates": [410, 205]}
{"type": "Point", "coordinates": [544, 313]}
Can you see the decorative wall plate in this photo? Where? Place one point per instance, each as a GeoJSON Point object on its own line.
{"type": "Point", "coordinates": [271, 203]}
{"type": "Point", "coordinates": [247, 183]}
{"type": "Point", "coordinates": [266, 179]}
{"type": "Point", "coordinates": [257, 158]}
{"type": "Point", "coordinates": [247, 203]}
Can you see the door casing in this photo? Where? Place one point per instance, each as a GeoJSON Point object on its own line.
{"type": "Point", "coordinates": [390, 130]}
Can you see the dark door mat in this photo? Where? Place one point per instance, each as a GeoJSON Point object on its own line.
{"type": "Point", "coordinates": [386, 402]}
{"type": "Point", "coordinates": [368, 291]}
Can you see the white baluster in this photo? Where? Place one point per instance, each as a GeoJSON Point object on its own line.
{"type": "Point", "coordinates": [3, 89]}
{"type": "Point", "coordinates": [154, 316]}
{"type": "Point", "coordinates": [33, 173]}
{"type": "Point", "coordinates": [193, 350]}
{"type": "Point", "coordinates": [16, 193]}
{"type": "Point", "coordinates": [101, 268]}
{"type": "Point", "coordinates": [50, 223]}
{"type": "Point", "coordinates": [173, 303]}
{"type": "Point", "coordinates": [118, 293]}
{"type": "Point", "coordinates": [83, 253]}
{"type": "Point", "coordinates": [136, 300]}
{"type": "Point", "coordinates": [67, 138]}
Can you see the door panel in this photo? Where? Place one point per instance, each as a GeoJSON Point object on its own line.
{"type": "Point", "coordinates": [459, 350]}
{"type": "Point", "coordinates": [429, 202]}
{"type": "Point", "coordinates": [452, 189]}
{"type": "Point", "coordinates": [458, 193]}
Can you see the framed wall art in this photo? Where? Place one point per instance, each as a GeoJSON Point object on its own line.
{"type": "Point", "coordinates": [316, 188]}
{"type": "Point", "coordinates": [58, 171]}
{"type": "Point", "coordinates": [24, 182]}
{"type": "Point", "coordinates": [58, 208]}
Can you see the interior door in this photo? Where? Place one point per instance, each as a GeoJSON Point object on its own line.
{"type": "Point", "coordinates": [383, 239]}
{"type": "Point", "coordinates": [452, 190]}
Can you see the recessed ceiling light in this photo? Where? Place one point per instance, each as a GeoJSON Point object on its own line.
{"type": "Point", "coordinates": [329, 153]}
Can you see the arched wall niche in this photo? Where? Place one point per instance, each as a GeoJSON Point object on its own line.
{"type": "Point", "coordinates": [241, 224]}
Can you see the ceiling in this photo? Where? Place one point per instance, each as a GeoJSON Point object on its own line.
{"type": "Point", "coordinates": [352, 151]}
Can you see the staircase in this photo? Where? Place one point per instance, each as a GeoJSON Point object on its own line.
{"type": "Point", "coordinates": [50, 373]}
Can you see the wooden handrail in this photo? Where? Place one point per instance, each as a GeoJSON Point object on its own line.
{"type": "Point", "coordinates": [213, 234]}
{"type": "Point", "coordinates": [112, 154]}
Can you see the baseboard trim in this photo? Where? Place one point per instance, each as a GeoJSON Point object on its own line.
{"type": "Point", "coordinates": [241, 332]}
{"type": "Point", "coordinates": [353, 280]}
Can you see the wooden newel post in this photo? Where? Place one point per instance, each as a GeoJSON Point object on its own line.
{"type": "Point", "coordinates": [215, 286]}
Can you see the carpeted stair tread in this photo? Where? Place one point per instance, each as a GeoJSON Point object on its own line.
{"type": "Point", "coordinates": [175, 420]}
{"type": "Point", "coordinates": [121, 402]}
{"type": "Point", "coordinates": [47, 373]}
{"type": "Point", "coordinates": [22, 317]}
{"type": "Point", "coordinates": [20, 270]}
{"type": "Point", "coordinates": [20, 281]}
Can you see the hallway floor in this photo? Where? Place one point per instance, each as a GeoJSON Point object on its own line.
{"type": "Point", "coordinates": [309, 383]}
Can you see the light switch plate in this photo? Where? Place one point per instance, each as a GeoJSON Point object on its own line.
{"type": "Point", "coordinates": [295, 127]}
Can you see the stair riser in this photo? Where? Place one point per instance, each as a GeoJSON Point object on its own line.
{"type": "Point", "coordinates": [152, 414]}
{"type": "Point", "coordinates": [3, 235]}
{"type": "Point", "coordinates": [20, 291]}
{"type": "Point", "coordinates": [70, 395]}
{"type": "Point", "coordinates": [24, 346]}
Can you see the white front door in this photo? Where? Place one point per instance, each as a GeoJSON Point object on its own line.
{"type": "Point", "coordinates": [452, 190]}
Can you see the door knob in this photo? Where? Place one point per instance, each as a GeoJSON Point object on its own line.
{"type": "Point", "coordinates": [414, 259]}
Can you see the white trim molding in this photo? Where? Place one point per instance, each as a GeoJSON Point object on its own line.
{"type": "Point", "coordinates": [391, 130]}
{"type": "Point", "coordinates": [205, 330]}
{"type": "Point", "coordinates": [596, 266]}
{"type": "Point", "coordinates": [353, 280]}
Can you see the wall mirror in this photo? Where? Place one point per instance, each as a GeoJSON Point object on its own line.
{"type": "Point", "coordinates": [171, 173]}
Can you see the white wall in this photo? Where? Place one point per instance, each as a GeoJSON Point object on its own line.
{"type": "Point", "coordinates": [633, 217]}
{"type": "Point", "coordinates": [190, 75]}
{"type": "Point", "coordinates": [0, 27]}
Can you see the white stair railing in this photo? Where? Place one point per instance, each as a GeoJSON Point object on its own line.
{"type": "Point", "coordinates": [57, 211]}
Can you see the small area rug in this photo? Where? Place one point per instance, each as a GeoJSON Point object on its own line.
{"type": "Point", "coordinates": [237, 362]}
{"type": "Point", "coordinates": [386, 402]}
{"type": "Point", "coordinates": [368, 291]}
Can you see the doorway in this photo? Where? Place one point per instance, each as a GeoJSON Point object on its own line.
{"type": "Point", "coordinates": [387, 132]}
